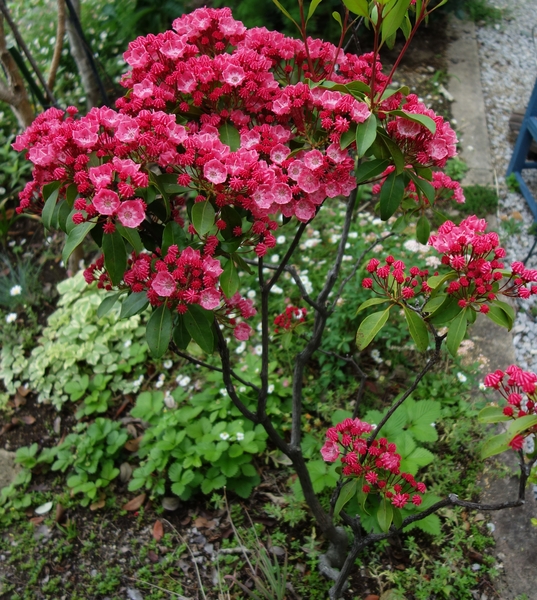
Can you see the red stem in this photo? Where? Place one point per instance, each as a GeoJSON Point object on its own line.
{"type": "Point", "coordinates": [344, 30]}
{"type": "Point", "coordinates": [305, 35]}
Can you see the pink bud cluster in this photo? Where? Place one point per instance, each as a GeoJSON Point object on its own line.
{"type": "Point", "coordinates": [519, 388]}
{"type": "Point", "coordinates": [475, 257]}
{"type": "Point", "coordinates": [376, 463]}
{"type": "Point", "coordinates": [391, 280]}
{"type": "Point", "coordinates": [444, 186]}
{"type": "Point", "coordinates": [290, 318]}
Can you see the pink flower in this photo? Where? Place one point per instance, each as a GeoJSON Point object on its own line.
{"type": "Point", "coordinates": [212, 266]}
{"type": "Point", "coordinates": [242, 332]}
{"type": "Point", "coordinates": [215, 171]}
{"type": "Point", "coordinates": [106, 201]}
{"type": "Point", "coordinates": [233, 74]}
{"type": "Point", "coordinates": [304, 210]}
{"type": "Point", "coordinates": [131, 213]}
{"type": "Point", "coordinates": [210, 299]}
{"type": "Point", "coordinates": [330, 451]}
{"type": "Point", "coordinates": [163, 284]}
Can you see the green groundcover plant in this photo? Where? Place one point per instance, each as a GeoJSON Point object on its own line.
{"type": "Point", "coordinates": [226, 140]}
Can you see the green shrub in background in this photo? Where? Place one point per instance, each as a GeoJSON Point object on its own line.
{"type": "Point", "coordinates": [480, 201]}
{"type": "Point", "coordinates": [75, 347]}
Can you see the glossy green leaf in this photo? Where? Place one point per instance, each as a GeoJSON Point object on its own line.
{"type": "Point", "coordinates": [348, 137]}
{"type": "Point", "coordinates": [499, 316]}
{"type": "Point", "coordinates": [337, 17]}
{"type": "Point", "coordinates": [285, 12]}
{"type": "Point", "coordinates": [180, 334]}
{"type": "Point", "coordinates": [313, 7]}
{"type": "Point", "coordinates": [232, 219]}
{"type": "Point", "coordinates": [370, 302]}
{"type": "Point", "coordinates": [366, 133]}
{"type": "Point", "coordinates": [50, 196]}
{"type": "Point", "coordinates": [358, 7]}
{"type": "Point", "coordinates": [345, 494]}
{"type": "Point", "coordinates": [456, 332]}
{"type": "Point", "coordinates": [424, 187]}
{"type": "Point", "coordinates": [398, 158]}
{"type": "Point", "coordinates": [418, 329]}
{"type": "Point", "coordinates": [496, 445]}
{"type": "Point", "coordinates": [423, 230]}
{"type": "Point", "coordinates": [75, 238]}
{"type": "Point", "coordinates": [394, 19]}
{"type": "Point", "coordinates": [132, 305]}
{"type": "Point", "coordinates": [173, 234]}
{"type": "Point", "coordinates": [492, 414]}
{"type": "Point", "coordinates": [417, 118]}
{"type": "Point", "coordinates": [507, 309]}
{"type": "Point", "coordinates": [369, 328]}
{"type": "Point", "coordinates": [203, 217]}
{"type": "Point", "coordinates": [521, 424]}
{"type": "Point", "coordinates": [115, 256]}
{"type": "Point", "coordinates": [199, 327]}
{"type": "Point", "coordinates": [229, 279]}
{"type": "Point", "coordinates": [61, 214]}
{"type": "Point", "coordinates": [447, 311]}
{"type": "Point", "coordinates": [371, 169]}
{"type": "Point", "coordinates": [159, 331]}
{"type": "Point", "coordinates": [132, 236]}
{"type": "Point", "coordinates": [385, 515]}
{"type": "Point", "coordinates": [391, 195]}
{"type": "Point", "coordinates": [229, 136]}
{"type": "Point", "coordinates": [106, 305]}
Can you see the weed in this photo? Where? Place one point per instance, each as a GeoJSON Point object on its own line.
{"type": "Point", "coordinates": [512, 183]}
{"type": "Point", "coordinates": [456, 168]}
{"type": "Point", "coordinates": [480, 201]}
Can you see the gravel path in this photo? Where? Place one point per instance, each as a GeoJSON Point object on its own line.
{"type": "Point", "coordinates": [508, 56]}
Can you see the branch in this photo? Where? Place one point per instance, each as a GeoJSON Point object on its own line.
{"type": "Point", "coordinates": [288, 254]}
{"type": "Point", "coordinates": [60, 33]}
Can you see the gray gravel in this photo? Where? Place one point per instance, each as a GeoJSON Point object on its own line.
{"type": "Point", "coordinates": [508, 56]}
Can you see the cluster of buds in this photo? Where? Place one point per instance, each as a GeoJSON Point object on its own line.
{"type": "Point", "coordinates": [290, 318]}
{"type": "Point", "coordinates": [377, 463]}
{"type": "Point", "coordinates": [475, 257]}
{"type": "Point", "coordinates": [390, 279]}
{"type": "Point", "coordinates": [519, 389]}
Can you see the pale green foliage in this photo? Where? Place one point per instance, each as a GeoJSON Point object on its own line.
{"type": "Point", "coordinates": [76, 343]}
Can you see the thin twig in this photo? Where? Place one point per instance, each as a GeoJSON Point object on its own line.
{"type": "Point", "coordinates": [60, 33]}
{"type": "Point", "coordinates": [158, 587]}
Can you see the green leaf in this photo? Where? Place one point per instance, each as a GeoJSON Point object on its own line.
{"type": "Point", "coordinates": [159, 331]}
{"type": "Point", "coordinates": [335, 15]}
{"type": "Point", "coordinates": [398, 158]}
{"type": "Point", "coordinates": [391, 195]}
{"type": "Point", "coordinates": [313, 7]}
{"type": "Point", "coordinates": [203, 217]}
{"type": "Point", "coordinates": [345, 494]}
{"type": "Point", "coordinates": [358, 7]}
{"type": "Point", "coordinates": [115, 256]}
{"type": "Point", "coordinates": [106, 305]}
{"type": "Point", "coordinates": [508, 311]}
{"type": "Point", "coordinates": [370, 169]}
{"type": "Point", "coordinates": [521, 424]}
{"type": "Point", "coordinates": [417, 118]}
{"type": "Point", "coordinates": [286, 13]}
{"type": "Point", "coordinates": [134, 303]}
{"type": "Point", "coordinates": [447, 311]}
{"type": "Point", "coordinates": [173, 234]}
{"type": "Point", "coordinates": [456, 331]}
{"type": "Point", "coordinates": [61, 214]}
{"type": "Point", "coordinates": [423, 230]}
{"type": "Point", "coordinates": [492, 414]}
{"type": "Point", "coordinates": [369, 328]}
{"type": "Point", "coordinates": [180, 334]}
{"type": "Point", "coordinates": [496, 445]}
{"type": "Point", "coordinates": [199, 328]}
{"type": "Point", "coordinates": [418, 329]}
{"type": "Point", "coordinates": [348, 137]}
{"type": "Point", "coordinates": [50, 195]}
{"type": "Point", "coordinates": [132, 236]}
{"type": "Point", "coordinates": [370, 302]}
{"type": "Point", "coordinates": [366, 133]}
{"type": "Point", "coordinates": [394, 19]}
{"type": "Point", "coordinates": [230, 136]}
{"type": "Point", "coordinates": [499, 316]}
{"type": "Point", "coordinates": [75, 238]}
{"type": "Point", "coordinates": [232, 219]}
{"type": "Point", "coordinates": [425, 187]}
{"type": "Point", "coordinates": [385, 515]}
{"type": "Point", "coordinates": [229, 279]}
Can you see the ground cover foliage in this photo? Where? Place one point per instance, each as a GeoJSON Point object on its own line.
{"type": "Point", "coordinates": [133, 442]}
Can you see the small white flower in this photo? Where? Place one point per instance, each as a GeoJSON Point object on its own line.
{"type": "Point", "coordinates": [462, 377]}
{"type": "Point", "coordinates": [223, 391]}
{"type": "Point", "coordinates": [274, 258]}
{"type": "Point", "coordinates": [169, 400]}
{"type": "Point", "coordinates": [270, 388]}
{"type": "Point", "coordinates": [433, 424]}
{"type": "Point", "coordinates": [224, 436]}
{"type": "Point", "coordinates": [127, 343]}
{"type": "Point", "coordinates": [258, 350]}
{"type": "Point", "coordinates": [353, 235]}
{"type": "Point", "coordinates": [251, 294]}
{"type": "Point", "coordinates": [482, 387]}
{"type": "Point", "coordinates": [375, 355]}
{"type": "Point", "coordinates": [16, 290]}
{"type": "Point", "coordinates": [491, 527]}
{"type": "Point", "coordinates": [159, 384]}
{"type": "Point", "coordinates": [168, 364]}
{"type": "Point", "coordinates": [276, 289]}
{"type": "Point", "coordinates": [240, 348]}
{"type": "Point", "coordinates": [433, 261]}
{"type": "Point", "coordinates": [242, 389]}
{"type": "Point", "coordinates": [11, 317]}
{"type": "Point", "coordinates": [334, 238]}
{"type": "Point", "coordinates": [240, 436]}
{"type": "Point", "coordinates": [280, 239]}
{"type": "Point", "coordinates": [476, 567]}
{"type": "Point", "coordinates": [182, 380]}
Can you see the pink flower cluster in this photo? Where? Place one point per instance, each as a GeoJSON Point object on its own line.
{"type": "Point", "coordinates": [392, 282]}
{"type": "Point", "coordinates": [376, 464]}
{"type": "Point", "coordinates": [475, 257]}
{"type": "Point", "coordinates": [519, 389]}
{"type": "Point", "coordinates": [290, 318]}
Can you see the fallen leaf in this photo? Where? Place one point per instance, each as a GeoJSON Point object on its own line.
{"type": "Point", "coordinates": [158, 530]}
{"type": "Point", "coordinates": [123, 406]}
{"type": "Point", "coordinates": [135, 503]}
{"type": "Point", "coordinates": [153, 556]}
{"type": "Point", "coordinates": [57, 425]}
{"type": "Point", "coordinates": [19, 400]}
{"type": "Point", "coordinates": [170, 503]}
{"type": "Point", "coordinates": [276, 499]}
{"type": "Point", "coordinates": [23, 391]}
{"type": "Point", "coordinates": [201, 522]}
{"type": "Point", "coordinates": [96, 505]}
{"type": "Point", "coordinates": [36, 520]}
{"type": "Point", "coordinates": [28, 419]}
{"type": "Point", "coordinates": [133, 445]}
{"type": "Point", "coordinates": [44, 508]}
{"type": "Point", "coordinates": [60, 513]}
{"type": "Point", "coordinates": [125, 472]}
